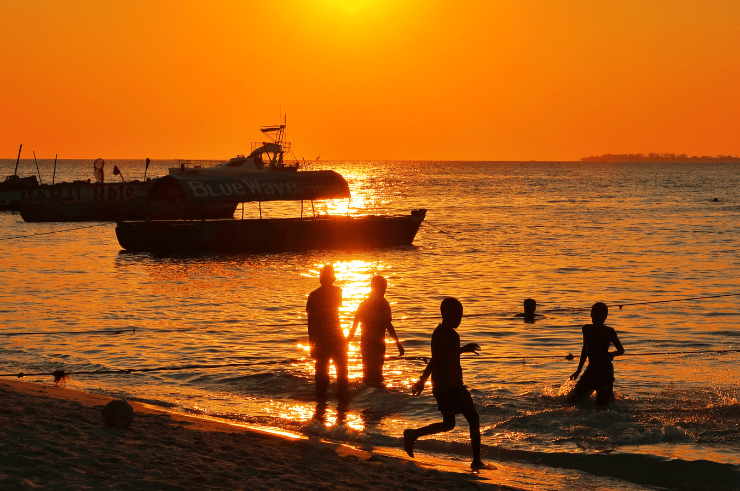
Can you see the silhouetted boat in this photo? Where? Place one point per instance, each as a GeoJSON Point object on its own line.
{"type": "Point", "coordinates": [265, 157]}
{"type": "Point", "coordinates": [85, 201]}
{"type": "Point", "coordinates": [270, 235]}
{"type": "Point", "coordinates": [243, 180]}
{"type": "Point", "coordinates": [12, 190]}
{"type": "Point", "coordinates": [262, 235]}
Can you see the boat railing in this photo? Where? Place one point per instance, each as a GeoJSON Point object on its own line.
{"type": "Point", "coordinates": [285, 146]}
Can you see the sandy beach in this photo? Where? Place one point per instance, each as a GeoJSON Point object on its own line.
{"type": "Point", "coordinates": [54, 438]}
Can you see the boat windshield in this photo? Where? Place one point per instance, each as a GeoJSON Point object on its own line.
{"type": "Point", "coordinates": [235, 163]}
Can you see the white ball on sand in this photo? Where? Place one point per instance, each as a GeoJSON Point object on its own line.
{"type": "Point", "coordinates": [118, 414]}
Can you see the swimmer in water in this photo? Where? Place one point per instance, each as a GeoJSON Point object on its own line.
{"type": "Point", "coordinates": [530, 305]}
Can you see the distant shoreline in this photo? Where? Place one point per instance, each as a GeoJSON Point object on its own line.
{"type": "Point", "coordinates": [657, 157]}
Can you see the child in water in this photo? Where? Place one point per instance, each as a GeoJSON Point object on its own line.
{"type": "Point", "coordinates": [530, 305]}
{"type": "Point", "coordinates": [599, 375]}
{"type": "Point", "coordinates": [447, 382]}
{"type": "Point", "coordinates": [375, 315]}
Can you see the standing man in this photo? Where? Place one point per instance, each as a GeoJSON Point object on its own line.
{"type": "Point", "coordinates": [325, 334]}
{"type": "Point", "coordinates": [375, 315]}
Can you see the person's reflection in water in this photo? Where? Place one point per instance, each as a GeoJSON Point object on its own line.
{"type": "Point", "coordinates": [320, 413]}
{"type": "Point", "coordinates": [325, 336]}
{"type": "Point", "coordinates": [371, 418]}
{"type": "Point", "coordinates": [375, 315]}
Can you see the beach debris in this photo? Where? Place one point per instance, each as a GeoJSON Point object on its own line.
{"type": "Point", "coordinates": [59, 377]}
{"type": "Point", "coordinates": [118, 414]}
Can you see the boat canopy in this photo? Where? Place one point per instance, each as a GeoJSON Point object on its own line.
{"type": "Point", "coordinates": [272, 186]}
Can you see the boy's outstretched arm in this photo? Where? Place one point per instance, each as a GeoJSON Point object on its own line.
{"type": "Point", "coordinates": [418, 387]}
{"type": "Point", "coordinates": [470, 348]}
{"type": "Point", "coordinates": [581, 362]}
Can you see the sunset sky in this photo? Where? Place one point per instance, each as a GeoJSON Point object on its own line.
{"type": "Point", "coordinates": [370, 79]}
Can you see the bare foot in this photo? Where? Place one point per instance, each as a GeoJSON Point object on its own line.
{"type": "Point", "coordinates": [408, 442]}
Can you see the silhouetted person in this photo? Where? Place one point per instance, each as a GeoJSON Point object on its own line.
{"type": "Point", "coordinates": [599, 375]}
{"type": "Point", "coordinates": [530, 305]}
{"type": "Point", "coordinates": [447, 382]}
{"type": "Point", "coordinates": [325, 334]}
{"type": "Point", "coordinates": [375, 315]}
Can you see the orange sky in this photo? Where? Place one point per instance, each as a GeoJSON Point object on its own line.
{"type": "Point", "coordinates": [370, 79]}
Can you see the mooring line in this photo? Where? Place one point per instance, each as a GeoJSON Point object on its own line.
{"type": "Point", "coordinates": [570, 356]}
{"type": "Point", "coordinates": [546, 311]}
{"type": "Point", "coordinates": [440, 230]}
{"type": "Point", "coordinates": [61, 374]}
{"type": "Point", "coordinates": [620, 305]}
{"type": "Point", "coordinates": [51, 232]}
{"type": "Point", "coordinates": [68, 333]}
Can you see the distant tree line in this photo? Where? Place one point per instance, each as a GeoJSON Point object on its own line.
{"type": "Point", "coordinates": [657, 157]}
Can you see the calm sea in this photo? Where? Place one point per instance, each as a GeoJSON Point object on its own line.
{"type": "Point", "coordinates": [566, 234]}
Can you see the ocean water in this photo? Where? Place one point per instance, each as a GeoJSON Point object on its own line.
{"type": "Point", "coordinates": [567, 234]}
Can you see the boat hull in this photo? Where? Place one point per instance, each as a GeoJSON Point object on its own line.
{"type": "Point", "coordinates": [270, 235]}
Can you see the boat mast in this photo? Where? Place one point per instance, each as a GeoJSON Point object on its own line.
{"type": "Point", "coordinates": [16, 162]}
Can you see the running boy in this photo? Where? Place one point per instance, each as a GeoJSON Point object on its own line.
{"type": "Point", "coordinates": [599, 375]}
{"type": "Point", "coordinates": [447, 382]}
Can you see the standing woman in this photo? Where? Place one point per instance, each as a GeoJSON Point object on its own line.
{"type": "Point", "coordinates": [375, 315]}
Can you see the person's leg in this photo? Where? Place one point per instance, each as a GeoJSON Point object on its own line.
{"type": "Point", "coordinates": [322, 377]}
{"type": "Point", "coordinates": [372, 369]}
{"type": "Point", "coordinates": [474, 422]}
{"type": "Point", "coordinates": [340, 363]}
{"type": "Point", "coordinates": [410, 436]}
{"type": "Point", "coordinates": [584, 387]}
{"type": "Point", "coordinates": [605, 390]}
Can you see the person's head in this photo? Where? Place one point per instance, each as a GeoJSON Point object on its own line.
{"type": "Point", "coordinates": [378, 285]}
{"type": "Point", "coordinates": [599, 312]}
{"type": "Point", "coordinates": [326, 276]}
{"type": "Point", "coordinates": [452, 311]}
{"type": "Point", "coordinates": [530, 306]}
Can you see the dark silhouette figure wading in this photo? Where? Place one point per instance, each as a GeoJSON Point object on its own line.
{"type": "Point", "coordinates": [374, 313]}
{"type": "Point", "coordinates": [325, 336]}
{"type": "Point", "coordinates": [447, 382]}
{"type": "Point", "coordinates": [599, 375]}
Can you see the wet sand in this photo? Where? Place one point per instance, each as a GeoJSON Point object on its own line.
{"type": "Point", "coordinates": [54, 438]}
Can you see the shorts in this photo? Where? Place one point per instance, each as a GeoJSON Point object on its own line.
{"type": "Point", "coordinates": [455, 400]}
{"type": "Point", "coordinates": [600, 380]}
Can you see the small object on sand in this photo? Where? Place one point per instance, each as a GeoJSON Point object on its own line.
{"type": "Point", "coordinates": [716, 200]}
{"type": "Point", "coordinates": [118, 414]}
